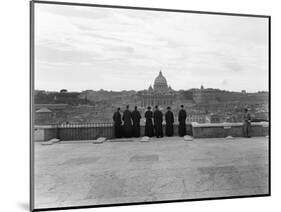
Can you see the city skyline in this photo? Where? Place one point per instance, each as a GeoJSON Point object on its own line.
{"type": "Point", "coordinates": [80, 48]}
{"type": "Point", "coordinates": [127, 90]}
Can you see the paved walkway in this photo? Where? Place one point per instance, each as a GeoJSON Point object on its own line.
{"type": "Point", "coordinates": [162, 169]}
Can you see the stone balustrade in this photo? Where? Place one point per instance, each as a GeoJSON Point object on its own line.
{"type": "Point", "coordinates": [93, 131]}
{"type": "Point", "coordinates": [221, 130]}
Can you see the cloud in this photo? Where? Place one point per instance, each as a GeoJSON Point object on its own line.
{"type": "Point", "coordinates": [224, 82]}
{"type": "Point", "coordinates": [133, 45]}
{"type": "Point", "coordinates": [77, 12]}
{"type": "Point", "coordinates": [233, 66]}
{"type": "Point", "coordinates": [52, 55]}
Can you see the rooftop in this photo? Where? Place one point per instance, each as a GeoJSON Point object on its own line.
{"type": "Point", "coordinates": [81, 173]}
{"type": "Point", "coordinates": [43, 110]}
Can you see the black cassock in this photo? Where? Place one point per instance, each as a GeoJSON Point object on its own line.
{"type": "Point", "coordinates": [127, 126]}
{"type": "Point", "coordinates": [158, 119]}
{"type": "Point", "coordinates": [182, 125]}
{"type": "Point", "coordinates": [169, 118]}
{"type": "Point", "coordinates": [136, 123]}
{"type": "Point", "coordinates": [117, 124]}
{"type": "Point", "coordinates": [148, 124]}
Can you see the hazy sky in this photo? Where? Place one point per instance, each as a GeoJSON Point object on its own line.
{"type": "Point", "coordinates": [80, 48]}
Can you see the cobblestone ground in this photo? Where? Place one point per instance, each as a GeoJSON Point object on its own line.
{"type": "Point", "coordinates": [75, 174]}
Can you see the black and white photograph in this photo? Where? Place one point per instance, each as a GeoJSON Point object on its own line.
{"type": "Point", "coordinates": [140, 105]}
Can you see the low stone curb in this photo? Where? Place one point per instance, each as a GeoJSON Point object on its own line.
{"type": "Point", "coordinates": [145, 139]}
{"type": "Point", "coordinates": [187, 138]}
{"type": "Point", "coordinates": [50, 142]}
{"type": "Point", "coordinates": [99, 140]}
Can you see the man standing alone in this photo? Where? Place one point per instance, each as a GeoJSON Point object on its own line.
{"type": "Point", "coordinates": [158, 119]}
{"type": "Point", "coordinates": [117, 123]}
{"type": "Point", "coordinates": [136, 122]}
{"type": "Point", "coordinates": [247, 123]}
{"type": "Point", "coordinates": [169, 118]}
{"type": "Point", "coordinates": [181, 118]}
{"type": "Point", "coordinates": [127, 126]}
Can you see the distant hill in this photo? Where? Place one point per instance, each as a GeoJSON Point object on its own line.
{"type": "Point", "coordinates": [70, 98]}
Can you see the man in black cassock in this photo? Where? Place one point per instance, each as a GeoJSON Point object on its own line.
{"type": "Point", "coordinates": [117, 123]}
{"type": "Point", "coordinates": [181, 118]}
{"type": "Point", "coordinates": [136, 122]}
{"type": "Point", "coordinates": [127, 125]}
{"type": "Point", "coordinates": [246, 123]}
{"type": "Point", "coordinates": [169, 118]}
{"type": "Point", "coordinates": [158, 119]}
{"type": "Point", "coordinates": [148, 122]}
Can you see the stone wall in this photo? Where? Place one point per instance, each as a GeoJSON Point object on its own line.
{"type": "Point", "coordinates": [45, 133]}
{"type": "Point", "coordinates": [91, 132]}
{"type": "Point", "coordinates": [88, 132]}
{"type": "Point", "coordinates": [222, 130]}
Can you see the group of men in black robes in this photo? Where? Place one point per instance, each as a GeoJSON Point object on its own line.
{"type": "Point", "coordinates": [131, 123]}
{"type": "Point", "coordinates": [154, 120]}
{"type": "Point", "coordinates": [153, 123]}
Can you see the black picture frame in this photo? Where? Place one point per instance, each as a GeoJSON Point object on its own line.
{"type": "Point", "coordinates": [31, 142]}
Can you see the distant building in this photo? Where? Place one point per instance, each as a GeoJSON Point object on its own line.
{"type": "Point", "coordinates": [161, 94]}
{"type": "Point", "coordinates": [43, 110]}
{"type": "Point", "coordinates": [243, 92]}
{"type": "Point", "coordinates": [43, 115]}
{"type": "Point", "coordinates": [50, 113]}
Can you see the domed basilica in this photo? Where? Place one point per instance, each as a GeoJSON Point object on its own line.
{"type": "Point", "coordinates": [161, 94]}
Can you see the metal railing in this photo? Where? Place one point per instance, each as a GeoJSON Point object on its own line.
{"type": "Point", "coordinates": [90, 131]}
{"type": "Point", "coordinates": [85, 131]}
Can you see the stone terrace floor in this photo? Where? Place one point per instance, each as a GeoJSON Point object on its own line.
{"type": "Point", "coordinates": [75, 174]}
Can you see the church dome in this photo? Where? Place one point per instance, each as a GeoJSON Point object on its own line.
{"type": "Point", "coordinates": [160, 82]}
